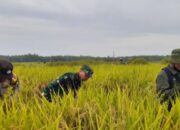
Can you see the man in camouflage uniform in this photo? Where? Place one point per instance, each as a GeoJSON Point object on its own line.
{"type": "Point", "coordinates": [168, 81]}
{"type": "Point", "coordinates": [8, 79]}
{"type": "Point", "coordinates": [66, 82]}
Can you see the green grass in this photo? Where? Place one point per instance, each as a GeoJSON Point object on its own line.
{"type": "Point", "coordinates": [118, 97]}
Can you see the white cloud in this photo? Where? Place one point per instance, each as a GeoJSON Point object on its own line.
{"type": "Point", "coordinates": [95, 27]}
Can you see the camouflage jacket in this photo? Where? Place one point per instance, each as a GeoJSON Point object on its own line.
{"type": "Point", "coordinates": [168, 83]}
{"type": "Point", "coordinates": [62, 85]}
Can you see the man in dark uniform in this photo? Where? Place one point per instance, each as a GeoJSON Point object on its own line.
{"type": "Point", "coordinates": [8, 79]}
{"type": "Point", "coordinates": [66, 82]}
{"type": "Point", "coordinates": [168, 81]}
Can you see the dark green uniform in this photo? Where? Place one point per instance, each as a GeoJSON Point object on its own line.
{"type": "Point", "coordinates": [168, 84]}
{"type": "Point", "coordinates": [62, 85]}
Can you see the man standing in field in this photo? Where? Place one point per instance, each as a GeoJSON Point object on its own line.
{"type": "Point", "coordinates": [8, 79]}
{"type": "Point", "coordinates": [168, 81]}
{"type": "Point", "coordinates": [66, 82]}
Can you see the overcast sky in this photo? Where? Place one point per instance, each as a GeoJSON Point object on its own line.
{"type": "Point", "coordinates": [89, 27]}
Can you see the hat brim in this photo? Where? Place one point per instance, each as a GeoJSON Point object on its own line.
{"type": "Point", "coordinates": [89, 76]}
{"type": "Point", "coordinates": [175, 61]}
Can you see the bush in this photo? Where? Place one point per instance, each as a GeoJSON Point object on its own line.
{"type": "Point", "coordinates": [166, 60]}
{"type": "Point", "coordinates": [138, 61]}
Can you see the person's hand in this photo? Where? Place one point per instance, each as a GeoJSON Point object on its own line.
{"type": "Point", "coordinates": [14, 80]}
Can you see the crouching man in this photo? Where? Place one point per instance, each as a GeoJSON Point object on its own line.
{"type": "Point", "coordinates": [168, 81]}
{"type": "Point", "coordinates": [66, 82]}
{"type": "Point", "coordinates": [9, 82]}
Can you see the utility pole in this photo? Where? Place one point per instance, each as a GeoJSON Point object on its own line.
{"type": "Point", "coordinates": [113, 54]}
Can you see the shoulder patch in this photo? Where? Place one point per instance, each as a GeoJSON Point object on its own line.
{"type": "Point", "coordinates": [58, 81]}
{"type": "Point", "coordinates": [65, 77]}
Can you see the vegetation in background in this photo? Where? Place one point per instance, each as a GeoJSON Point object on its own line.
{"type": "Point", "coordinates": [44, 59]}
{"type": "Point", "coordinates": [138, 61]}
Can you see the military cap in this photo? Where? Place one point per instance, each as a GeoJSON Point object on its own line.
{"type": "Point", "coordinates": [175, 56]}
{"type": "Point", "coordinates": [88, 70]}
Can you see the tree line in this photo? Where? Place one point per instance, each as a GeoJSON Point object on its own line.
{"type": "Point", "coordinates": [125, 59]}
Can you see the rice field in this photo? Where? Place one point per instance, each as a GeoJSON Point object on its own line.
{"type": "Point", "coordinates": [118, 97]}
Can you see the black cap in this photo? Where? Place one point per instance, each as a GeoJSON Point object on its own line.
{"type": "Point", "coordinates": [6, 69]}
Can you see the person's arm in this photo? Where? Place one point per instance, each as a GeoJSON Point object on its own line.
{"type": "Point", "coordinates": [75, 89]}
{"type": "Point", "coordinates": [163, 87]}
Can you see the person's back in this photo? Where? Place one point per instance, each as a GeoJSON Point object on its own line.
{"type": "Point", "coordinates": [66, 82]}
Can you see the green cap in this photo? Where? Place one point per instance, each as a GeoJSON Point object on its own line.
{"type": "Point", "coordinates": [88, 70]}
{"type": "Point", "coordinates": [175, 56]}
